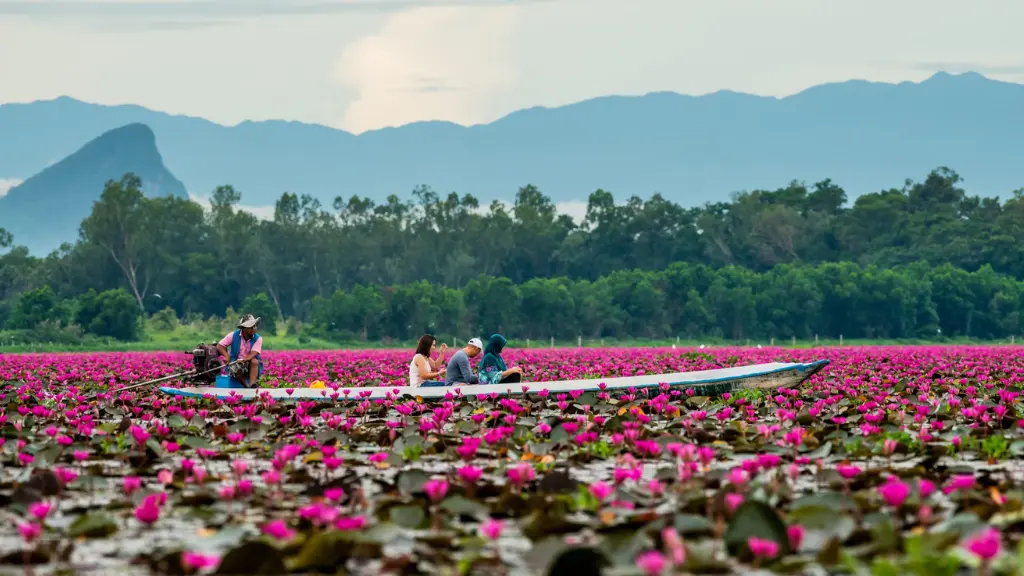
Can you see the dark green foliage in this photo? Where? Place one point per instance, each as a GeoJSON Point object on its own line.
{"type": "Point", "coordinates": [923, 261]}
{"type": "Point", "coordinates": [36, 307]}
{"type": "Point", "coordinates": [829, 300]}
{"type": "Point", "coordinates": [112, 313]}
{"type": "Point", "coordinates": [259, 305]}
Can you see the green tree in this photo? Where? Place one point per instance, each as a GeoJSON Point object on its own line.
{"type": "Point", "coordinates": [118, 224]}
{"type": "Point", "coordinates": [37, 306]}
{"type": "Point", "coordinates": [259, 305]}
{"type": "Point", "coordinates": [113, 313]}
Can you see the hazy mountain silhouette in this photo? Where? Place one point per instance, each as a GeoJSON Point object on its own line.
{"type": "Point", "coordinates": [865, 136]}
{"type": "Point", "coordinates": [48, 208]}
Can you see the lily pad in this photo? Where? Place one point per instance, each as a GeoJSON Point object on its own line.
{"type": "Point", "coordinates": [755, 519]}
{"type": "Point", "coordinates": [95, 525]}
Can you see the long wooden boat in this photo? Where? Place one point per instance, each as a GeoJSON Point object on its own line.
{"type": "Point", "coordinates": [704, 382]}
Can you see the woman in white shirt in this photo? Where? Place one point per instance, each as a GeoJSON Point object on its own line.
{"type": "Point", "coordinates": [423, 370]}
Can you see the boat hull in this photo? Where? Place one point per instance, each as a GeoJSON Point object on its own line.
{"type": "Point", "coordinates": [704, 382]}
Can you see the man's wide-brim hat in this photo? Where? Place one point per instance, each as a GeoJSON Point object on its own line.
{"type": "Point", "coordinates": [249, 321]}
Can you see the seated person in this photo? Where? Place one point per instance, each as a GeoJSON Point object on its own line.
{"type": "Point", "coordinates": [424, 370]}
{"type": "Point", "coordinates": [459, 370]}
{"type": "Point", "coordinates": [492, 366]}
{"type": "Point", "coordinates": [246, 346]}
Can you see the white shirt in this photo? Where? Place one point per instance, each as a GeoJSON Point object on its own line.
{"type": "Point", "coordinates": [414, 372]}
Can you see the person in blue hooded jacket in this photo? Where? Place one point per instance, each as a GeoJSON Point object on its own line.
{"type": "Point", "coordinates": [492, 367]}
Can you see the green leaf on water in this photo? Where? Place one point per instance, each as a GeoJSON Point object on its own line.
{"type": "Point", "coordinates": [755, 519]}
{"type": "Point", "coordinates": [96, 525]}
{"type": "Point", "coordinates": [691, 524]}
{"type": "Point", "coordinates": [256, 557]}
{"type": "Point", "coordinates": [197, 442]}
{"type": "Point", "coordinates": [155, 446]}
{"type": "Point", "coordinates": [323, 551]}
{"type": "Point", "coordinates": [176, 421]}
{"type": "Point", "coordinates": [411, 481]}
{"type": "Point", "coordinates": [407, 516]}
{"type": "Point", "coordinates": [464, 506]}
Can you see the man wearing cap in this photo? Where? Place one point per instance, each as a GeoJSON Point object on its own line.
{"type": "Point", "coordinates": [459, 371]}
{"type": "Point", "coordinates": [245, 347]}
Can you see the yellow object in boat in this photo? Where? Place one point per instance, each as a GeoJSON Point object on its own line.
{"type": "Point", "coordinates": [317, 384]}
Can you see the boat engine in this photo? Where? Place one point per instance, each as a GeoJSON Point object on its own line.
{"type": "Point", "coordinates": [207, 363]}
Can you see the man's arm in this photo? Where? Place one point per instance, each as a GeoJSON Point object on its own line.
{"type": "Point", "coordinates": [222, 346]}
{"type": "Point", "coordinates": [466, 370]}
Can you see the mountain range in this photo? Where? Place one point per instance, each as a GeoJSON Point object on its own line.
{"type": "Point", "coordinates": [865, 136]}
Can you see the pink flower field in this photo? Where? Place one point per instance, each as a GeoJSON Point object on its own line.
{"type": "Point", "coordinates": [889, 461]}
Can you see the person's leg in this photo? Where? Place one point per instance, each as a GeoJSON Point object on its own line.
{"type": "Point", "coordinates": [433, 384]}
{"type": "Point", "coordinates": [512, 378]}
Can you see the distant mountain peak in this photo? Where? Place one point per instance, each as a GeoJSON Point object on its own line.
{"type": "Point", "coordinates": [42, 209]}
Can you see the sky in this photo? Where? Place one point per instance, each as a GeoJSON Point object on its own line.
{"type": "Point", "coordinates": [366, 64]}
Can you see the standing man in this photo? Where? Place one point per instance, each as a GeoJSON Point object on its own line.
{"type": "Point", "coordinates": [245, 347]}
{"type": "Point", "coordinates": [459, 371]}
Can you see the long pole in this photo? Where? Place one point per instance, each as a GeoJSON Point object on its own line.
{"type": "Point", "coordinates": [171, 377]}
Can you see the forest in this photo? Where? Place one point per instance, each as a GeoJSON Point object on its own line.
{"type": "Point", "coordinates": [925, 259]}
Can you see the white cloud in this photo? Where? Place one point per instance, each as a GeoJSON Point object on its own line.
{"type": "Point", "coordinates": [6, 184]}
{"type": "Point", "coordinates": [430, 64]}
{"type": "Point", "coordinates": [260, 212]}
{"type": "Point", "coordinates": [575, 209]}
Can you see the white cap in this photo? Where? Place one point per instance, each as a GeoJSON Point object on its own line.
{"type": "Point", "coordinates": [476, 342]}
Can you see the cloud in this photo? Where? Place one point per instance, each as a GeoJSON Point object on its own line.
{"type": "Point", "coordinates": [436, 63]}
{"type": "Point", "coordinates": [427, 84]}
{"type": "Point", "coordinates": [196, 9]}
{"type": "Point", "coordinates": [575, 209]}
{"type": "Point", "coordinates": [260, 212]}
{"type": "Point", "coordinates": [6, 184]}
{"type": "Point", "coordinates": [961, 67]}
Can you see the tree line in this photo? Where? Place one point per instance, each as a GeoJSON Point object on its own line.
{"type": "Point", "coordinates": [830, 300]}
{"type": "Point", "coordinates": [312, 262]}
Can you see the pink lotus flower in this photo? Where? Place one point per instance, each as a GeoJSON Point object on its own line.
{"type": "Point", "coordinates": [149, 511]}
{"type": "Point", "coordinates": [436, 488]}
{"type": "Point", "coordinates": [762, 548]}
{"type": "Point", "coordinates": [847, 471]}
{"type": "Point", "coordinates": [651, 563]}
{"type": "Point", "coordinates": [520, 475]}
{"type": "Point", "coordinates": [65, 475]}
{"type": "Point", "coordinates": [197, 561]}
{"type": "Point", "coordinates": [601, 490]}
{"type": "Point", "coordinates": [40, 510]}
{"type": "Point", "coordinates": [673, 545]}
{"type": "Point", "coordinates": [796, 536]}
{"type": "Point", "coordinates": [226, 492]}
{"type": "Point", "coordinates": [131, 484]}
{"type": "Point", "coordinates": [470, 474]}
{"type": "Point", "coordinates": [960, 483]}
{"type": "Point", "coordinates": [334, 494]}
{"type": "Point", "coordinates": [985, 546]}
{"type": "Point", "coordinates": [30, 531]}
{"type": "Point", "coordinates": [925, 488]}
{"type": "Point", "coordinates": [733, 501]}
{"type": "Point", "coordinates": [350, 523]}
{"type": "Point", "coordinates": [894, 491]}
{"type": "Point", "coordinates": [278, 529]}
{"type": "Point", "coordinates": [492, 528]}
